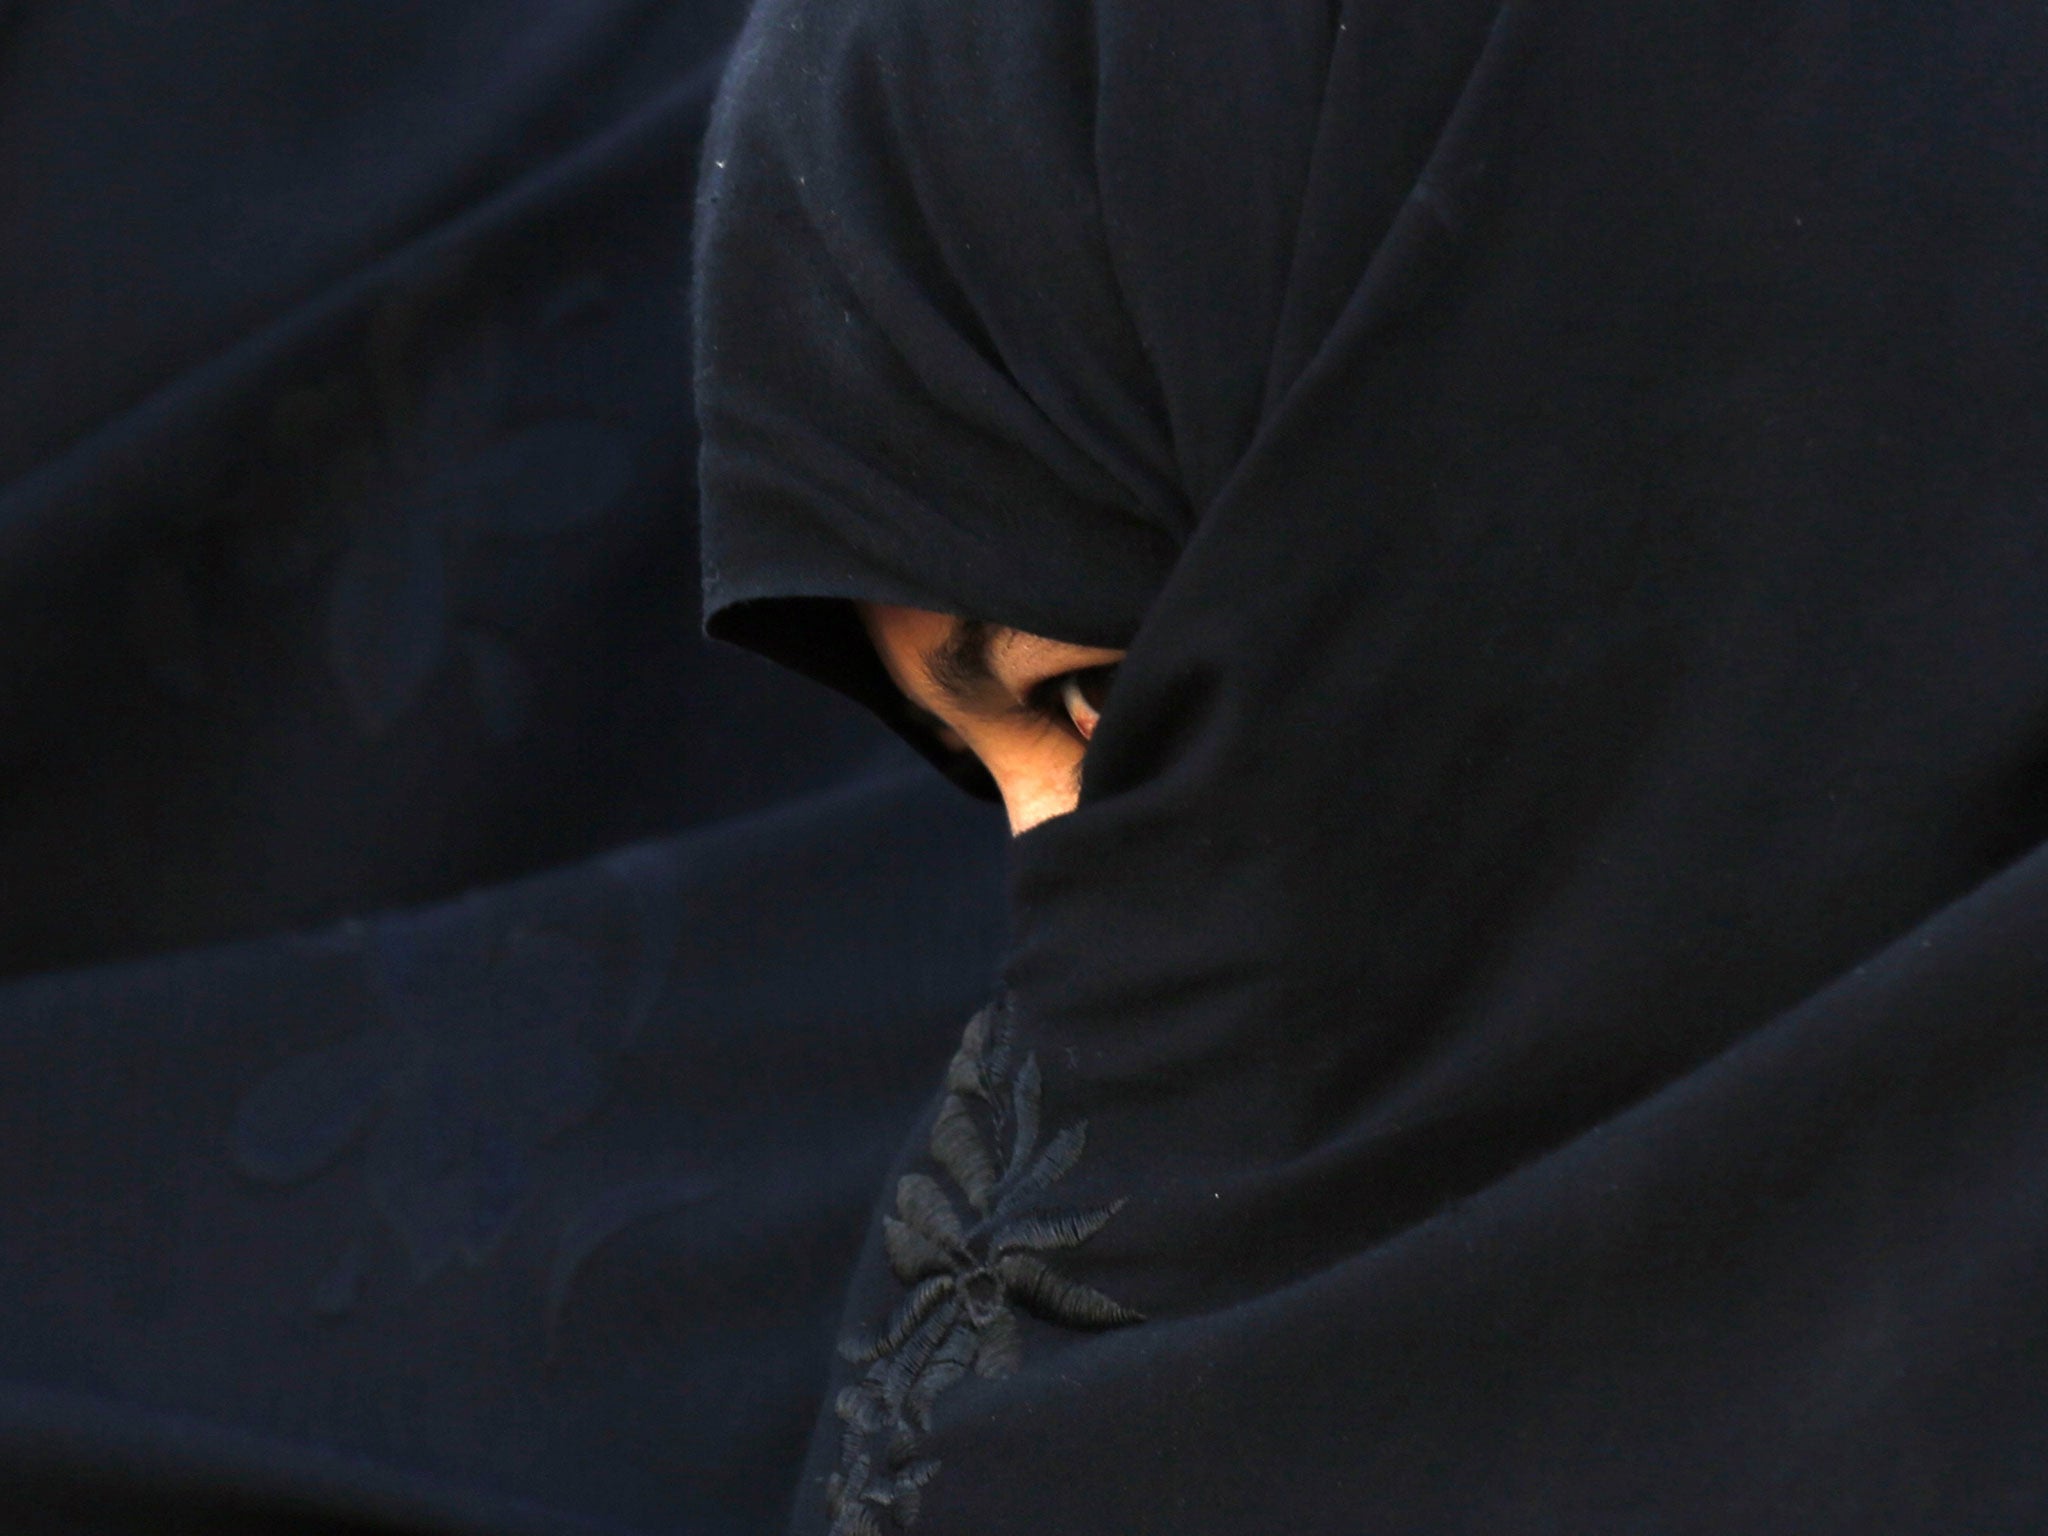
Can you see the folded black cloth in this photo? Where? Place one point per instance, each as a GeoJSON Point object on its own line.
{"type": "Point", "coordinates": [347, 485]}
{"type": "Point", "coordinates": [529, 1212]}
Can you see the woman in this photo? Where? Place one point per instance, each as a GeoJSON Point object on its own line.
{"type": "Point", "coordinates": [1546, 948]}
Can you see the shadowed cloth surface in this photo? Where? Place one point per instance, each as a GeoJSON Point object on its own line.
{"type": "Point", "coordinates": [346, 464]}
{"type": "Point", "coordinates": [526, 1213]}
{"type": "Point", "coordinates": [452, 1016]}
{"type": "Point", "coordinates": [1551, 950]}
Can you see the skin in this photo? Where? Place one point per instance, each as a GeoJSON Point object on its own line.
{"type": "Point", "coordinates": [1019, 702]}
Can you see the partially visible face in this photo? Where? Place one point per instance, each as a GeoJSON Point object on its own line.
{"type": "Point", "coordinates": [1025, 705]}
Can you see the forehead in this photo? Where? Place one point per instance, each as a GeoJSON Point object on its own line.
{"type": "Point", "coordinates": [906, 630]}
{"type": "Point", "coordinates": [951, 668]}
{"type": "Point", "coordinates": [906, 639]}
{"type": "Point", "coordinates": [958, 667]}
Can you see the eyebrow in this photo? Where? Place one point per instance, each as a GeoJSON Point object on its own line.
{"type": "Point", "coordinates": [961, 669]}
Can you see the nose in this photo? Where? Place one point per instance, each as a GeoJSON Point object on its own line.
{"type": "Point", "coordinates": [1034, 792]}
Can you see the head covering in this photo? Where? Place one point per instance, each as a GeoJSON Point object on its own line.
{"type": "Point", "coordinates": [1548, 956]}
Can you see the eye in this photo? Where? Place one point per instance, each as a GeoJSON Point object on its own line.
{"type": "Point", "coordinates": [1077, 699]}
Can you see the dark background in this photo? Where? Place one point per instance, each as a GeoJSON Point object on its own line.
{"type": "Point", "coordinates": [347, 466]}
{"type": "Point", "coordinates": [458, 1017]}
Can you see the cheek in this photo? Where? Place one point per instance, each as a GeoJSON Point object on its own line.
{"type": "Point", "coordinates": [1039, 777]}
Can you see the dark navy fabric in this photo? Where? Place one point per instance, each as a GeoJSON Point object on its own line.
{"type": "Point", "coordinates": [347, 464]}
{"type": "Point", "coordinates": [527, 1212]}
{"type": "Point", "coordinates": [1551, 953]}
{"type": "Point", "coordinates": [452, 1016]}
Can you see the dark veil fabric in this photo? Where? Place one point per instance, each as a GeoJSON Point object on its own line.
{"type": "Point", "coordinates": [526, 1213]}
{"type": "Point", "coordinates": [1550, 956]}
{"type": "Point", "coordinates": [452, 1016]}
{"type": "Point", "coordinates": [346, 464]}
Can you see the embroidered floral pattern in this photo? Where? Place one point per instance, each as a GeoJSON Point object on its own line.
{"type": "Point", "coordinates": [493, 1027]}
{"type": "Point", "coordinates": [969, 1273]}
